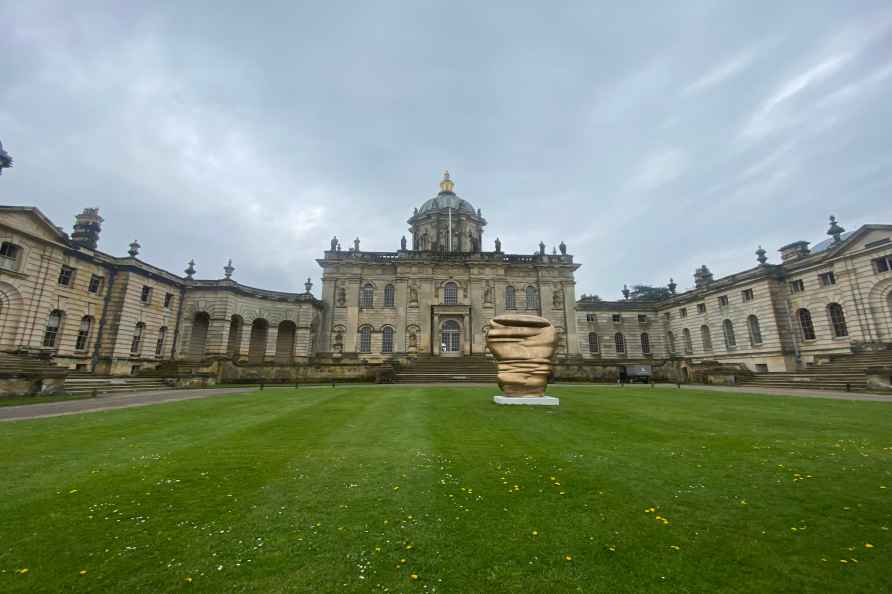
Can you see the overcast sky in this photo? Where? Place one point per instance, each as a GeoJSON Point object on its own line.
{"type": "Point", "coordinates": [651, 137]}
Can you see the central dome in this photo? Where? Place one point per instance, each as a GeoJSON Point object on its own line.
{"type": "Point", "coordinates": [447, 199]}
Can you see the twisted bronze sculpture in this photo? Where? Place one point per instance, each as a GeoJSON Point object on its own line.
{"type": "Point", "coordinates": [524, 346]}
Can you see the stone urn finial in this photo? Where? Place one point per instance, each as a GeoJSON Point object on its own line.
{"type": "Point", "coordinates": [835, 230]}
{"type": "Point", "coordinates": [134, 249]}
{"type": "Point", "coordinates": [228, 269]}
{"type": "Point", "coordinates": [190, 270]}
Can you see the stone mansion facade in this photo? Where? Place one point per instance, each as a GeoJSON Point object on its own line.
{"type": "Point", "coordinates": [434, 296]}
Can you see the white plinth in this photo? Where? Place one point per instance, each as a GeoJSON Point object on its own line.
{"type": "Point", "coordinates": [527, 400]}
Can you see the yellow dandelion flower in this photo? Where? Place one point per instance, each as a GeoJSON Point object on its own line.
{"type": "Point", "coordinates": [402, 560]}
{"type": "Point", "coordinates": [82, 572]}
{"type": "Point", "coordinates": [536, 533]}
{"type": "Point", "coordinates": [743, 502]}
{"type": "Point", "coordinates": [867, 545]}
{"type": "Point", "coordinates": [611, 548]}
{"type": "Point", "coordinates": [410, 546]}
{"type": "Point", "coordinates": [396, 487]}
{"type": "Point", "coordinates": [22, 571]}
{"type": "Point", "coordinates": [414, 576]}
{"type": "Point", "coordinates": [568, 557]}
{"type": "Point", "coordinates": [843, 560]}
{"type": "Point", "coordinates": [188, 579]}
{"type": "Point", "coordinates": [675, 547]}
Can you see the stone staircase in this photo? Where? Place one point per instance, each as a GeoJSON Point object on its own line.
{"type": "Point", "coordinates": [23, 364]}
{"type": "Point", "coordinates": [85, 383]}
{"type": "Point", "coordinates": [433, 369]}
{"type": "Point", "coordinates": [840, 372]}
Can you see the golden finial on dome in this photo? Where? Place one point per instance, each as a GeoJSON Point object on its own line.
{"type": "Point", "coordinates": [446, 185]}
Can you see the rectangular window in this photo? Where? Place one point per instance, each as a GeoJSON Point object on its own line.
{"type": "Point", "coordinates": [168, 300]}
{"type": "Point", "coordinates": [617, 317]}
{"type": "Point", "coordinates": [146, 295]}
{"type": "Point", "coordinates": [797, 286]}
{"type": "Point", "coordinates": [9, 254]}
{"type": "Point", "coordinates": [747, 295]}
{"type": "Point", "coordinates": [683, 312]}
{"type": "Point", "coordinates": [723, 301]}
{"type": "Point", "coordinates": [642, 318]}
{"type": "Point", "coordinates": [826, 279]}
{"type": "Point", "coordinates": [95, 284]}
{"type": "Point", "coordinates": [701, 308]}
{"type": "Point", "coordinates": [667, 316]}
{"type": "Point", "coordinates": [881, 265]}
{"type": "Point", "coordinates": [590, 318]}
{"type": "Point", "coordinates": [66, 276]}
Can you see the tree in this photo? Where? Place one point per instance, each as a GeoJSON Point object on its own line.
{"type": "Point", "coordinates": [5, 159]}
{"type": "Point", "coordinates": [649, 293]}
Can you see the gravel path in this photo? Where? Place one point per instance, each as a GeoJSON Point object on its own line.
{"type": "Point", "coordinates": [132, 399]}
{"type": "Point", "coordinates": [110, 402]}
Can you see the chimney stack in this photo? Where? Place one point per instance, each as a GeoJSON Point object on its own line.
{"type": "Point", "coordinates": [87, 226]}
{"type": "Point", "coordinates": [794, 251]}
{"type": "Point", "coordinates": [702, 277]}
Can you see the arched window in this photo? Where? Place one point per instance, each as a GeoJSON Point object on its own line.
{"type": "Point", "coordinates": [83, 333]}
{"type": "Point", "coordinates": [53, 328]}
{"type": "Point", "coordinates": [365, 340]}
{"type": "Point", "coordinates": [670, 337]}
{"type": "Point", "coordinates": [706, 338]}
{"type": "Point", "coordinates": [9, 256]}
{"type": "Point", "coordinates": [619, 341]}
{"type": "Point", "coordinates": [805, 323]}
{"type": "Point", "coordinates": [752, 324]}
{"type": "Point", "coordinates": [450, 293]}
{"type": "Point", "coordinates": [592, 342]}
{"type": "Point", "coordinates": [645, 343]}
{"type": "Point", "coordinates": [532, 297]}
{"type": "Point", "coordinates": [387, 339]}
{"type": "Point", "coordinates": [728, 331]}
{"type": "Point", "coordinates": [389, 296]}
{"type": "Point", "coordinates": [688, 343]}
{"type": "Point", "coordinates": [510, 303]}
{"type": "Point", "coordinates": [159, 344]}
{"type": "Point", "coordinates": [136, 341]}
{"type": "Point", "coordinates": [367, 296]}
{"type": "Point", "coordinates": [837, 320]}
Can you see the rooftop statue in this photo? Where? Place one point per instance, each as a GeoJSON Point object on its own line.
{"type": "Point", "coordinates": [523, 345]}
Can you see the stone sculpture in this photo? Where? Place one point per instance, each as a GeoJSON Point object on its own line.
{"type": "Point", "coordinates": [523, 345]}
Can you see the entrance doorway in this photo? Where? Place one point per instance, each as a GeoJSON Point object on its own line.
{"type": "Point", "coordinates": [450, 338]}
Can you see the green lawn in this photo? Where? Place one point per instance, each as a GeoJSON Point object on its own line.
{"type": "Point", "coordinates": [357, 489]}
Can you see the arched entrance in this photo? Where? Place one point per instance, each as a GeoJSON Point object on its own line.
{"type": "Point", "coordinates": [285, 342]}
{"type": "Point", "coordinates": [450, 338]}
{"type": "Point", "coordinates": [198, 343]}
{"type": "Point", "coordinates": [10, 308]}
{"type": "Point", "coordinates": [234, 345]}
{"type": "Point", "coordinates": [257, 346]}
